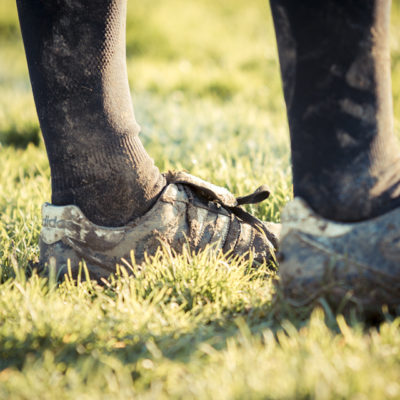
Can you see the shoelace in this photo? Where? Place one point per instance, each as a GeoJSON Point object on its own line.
{"type": "Point", "coordinates": [260, 194]}
{"type": "Point", "coordinates": [222, 196]}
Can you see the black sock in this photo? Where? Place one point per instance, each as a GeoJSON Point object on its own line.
{"type": "Point", "coordinates": [335, 65]}
{"type": "Point", "coordinates": [76, 57]}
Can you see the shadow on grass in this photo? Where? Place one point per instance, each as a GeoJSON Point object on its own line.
{"type": "Point", "coordinates": [20, 137]}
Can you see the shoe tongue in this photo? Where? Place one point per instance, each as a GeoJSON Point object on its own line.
{"type": "Point", "coordinates": [208, 190]}
{"type": "Point", "coordinates": [214, 192]}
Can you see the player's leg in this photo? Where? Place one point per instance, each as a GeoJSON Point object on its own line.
{"type": "Point", "coordinates": [335, 64]}
{"type": "Point", "coordinates": [76, 57]}
{"type": "Point", "coordinates": [102, 176]}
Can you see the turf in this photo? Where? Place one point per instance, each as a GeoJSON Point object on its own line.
{"type": "Point", "coordinates": [207, 94]}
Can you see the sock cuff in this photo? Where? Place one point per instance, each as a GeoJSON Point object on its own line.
{"type": "Point", "coordinates": [124, 155]}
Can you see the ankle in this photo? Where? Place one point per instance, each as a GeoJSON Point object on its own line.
{"type": "Point", "coordinates": [114, 202]}
{"type": "Point", "coordinates": [353, 201]}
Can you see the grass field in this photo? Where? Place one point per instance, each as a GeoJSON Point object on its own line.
{"type": "Point", "coordinates": [207, 93]}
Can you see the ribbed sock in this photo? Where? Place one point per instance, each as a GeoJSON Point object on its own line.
{"type": "Point", "coordinates": [335, 64]}
{"type": "Point", "coordinates": [77, 63]}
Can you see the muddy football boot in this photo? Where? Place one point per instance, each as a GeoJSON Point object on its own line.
{"type": "Point", "coordinates": [189, 212]}
{"type": "Point", "coordinates": [347, 263]}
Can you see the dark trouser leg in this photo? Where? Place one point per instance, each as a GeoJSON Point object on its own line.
{"type": "Point", "coordinates": [335, 65]}
{"type": "Point", "coordinates": [76, 57]}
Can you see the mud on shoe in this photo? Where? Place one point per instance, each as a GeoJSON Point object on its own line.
{"type": "Point", "coordinates": [189, 211]}
{"type": "Point", "coordinates": [350, 264]}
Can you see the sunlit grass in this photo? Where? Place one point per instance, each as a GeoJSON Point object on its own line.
{"type": "Point", "coordinates": [207, 94]}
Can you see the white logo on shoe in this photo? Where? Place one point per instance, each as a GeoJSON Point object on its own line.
{"type": "Point", "coordinates": [53, 223]}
